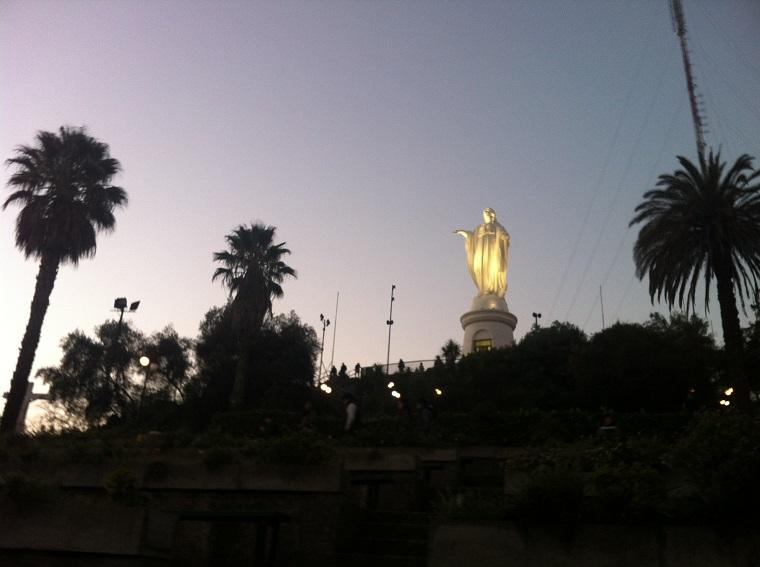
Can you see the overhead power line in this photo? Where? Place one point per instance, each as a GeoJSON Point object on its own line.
{"type": "Point", "coordinates": [611, 209]}
{"type": "Point", "coordinates": [610, 149]}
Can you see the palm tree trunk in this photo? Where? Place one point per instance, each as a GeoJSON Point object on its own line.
{"type": "Point", "coordinates": [248, 320]}
{"type": "Point", "coordinates": [42, 290]}
{"type": "Point", "coordinates": [732, 338]}
{"type": "Point", "coordinates": [241, 375]}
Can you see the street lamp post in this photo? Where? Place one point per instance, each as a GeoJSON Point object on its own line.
{"type": "Point", "coordinates": [536, 317]}
{"type": "Point", "coordinates": [389, 322]}
{"type": "Point", "coordinates": [325, 324]}
{"type": "Point", "coordinates": [120, 305]}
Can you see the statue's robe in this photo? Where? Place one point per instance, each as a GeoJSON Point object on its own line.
{"type": "Point", "coordinates": [487, 257]}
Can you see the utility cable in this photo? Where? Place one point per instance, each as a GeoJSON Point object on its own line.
{"type": "Point", "coordinates": [737, 93]}
{"type": "Point", "coordinates": [608, 216]}
{"type": "Point", "coordinates": [748, 63]}
{"type": "Point", "coordinates": [666, 140]}
{"type": "Point", "coordinates": [607, 159]}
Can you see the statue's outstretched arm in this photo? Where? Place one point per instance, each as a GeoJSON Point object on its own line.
{"type": "Point", "coordinates": [465, 233]}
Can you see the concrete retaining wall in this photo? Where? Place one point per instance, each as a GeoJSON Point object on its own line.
{"type": "Point", "coordinates": [511, 545]}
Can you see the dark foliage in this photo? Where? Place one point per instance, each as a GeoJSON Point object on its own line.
{"type": "Point", "coordinates": [100, 379]}
{"type": "Point", "coordinates": [659, 366]}
{"type": "Point", "coordinates": [280, 369]}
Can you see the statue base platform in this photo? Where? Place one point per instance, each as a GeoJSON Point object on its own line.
{"type": "Point", "coordinates": [488, 324]}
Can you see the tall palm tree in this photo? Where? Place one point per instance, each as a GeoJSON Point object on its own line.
{"type": "Point", "coordinates": [63, 185]}
{"type": "Point", "coordinates": [253, 271]}
{"type": "Point", "coordinates": [703, 221]}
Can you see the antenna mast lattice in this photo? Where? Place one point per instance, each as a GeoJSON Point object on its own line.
{"type": "Point", "coordinates": [679, 26]}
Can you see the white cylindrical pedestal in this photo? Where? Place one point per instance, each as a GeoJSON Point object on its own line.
{"type": "Point", "coordinates": [489, 324]}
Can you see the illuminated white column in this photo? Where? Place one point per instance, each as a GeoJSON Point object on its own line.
{"type": "Point", "coordinates": [489, 321]}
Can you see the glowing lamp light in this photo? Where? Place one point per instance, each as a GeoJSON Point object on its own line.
{"type": "Point", "coordinates": [725, 403]}
{"type": "Point", "coordinates": [144, 361]}
{"type": "Point", "coordinates": [438, 391]}
{"type": "Point", "coordinates": [395, 394]}
{"type": "Point", "coordinates": [390, 385]}
{"type": "Point", "coordinates": [326, 389]}
{"type": "Point", "coordinates": [729, 391]}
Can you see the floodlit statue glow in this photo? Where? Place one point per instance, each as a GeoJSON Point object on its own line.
{"type": "Point", "coordinates": [487, 250]}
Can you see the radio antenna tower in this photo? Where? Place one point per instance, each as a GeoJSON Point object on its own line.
{"type": "Point", "coordinates": [679, 26]}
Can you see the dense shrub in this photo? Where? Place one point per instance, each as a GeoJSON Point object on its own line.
{"type": "Point", "coordinates": [294, 449]}
{"type": "Point", "coordinates": [554, 495]}
{"type": "Point", "coordinates": [121, 486]}
{"type": "Point", "coordinates": [623, 492]}
{"type": "Point", "coordinates": [720, 457]}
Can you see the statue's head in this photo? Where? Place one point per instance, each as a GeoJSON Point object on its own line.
{"type": "Point", "coordinates": [489, 215]}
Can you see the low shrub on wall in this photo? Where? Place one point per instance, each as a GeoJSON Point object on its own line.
{"type": "Point", "coordinates": [297, 448]}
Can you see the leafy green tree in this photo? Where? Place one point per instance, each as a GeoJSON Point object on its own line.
{"type": "Point", "coordinates": [282, 360]}
{"type": "Point", "coordinates": [688, 354]}
{"type": "Point", "coordinates": [703, 221]}
{"type": "Point", "coordinates": [252, 270]}
{"type": "Point", "coordinates": [216, 352]}
{"type": "Point", "coordinates": [169, 374]}
{"type": "Point", "coordinates": [102, 378]}
{"type": "Point", "coordinates": [94, 379]}
{"type": "Point", "coordinates": [544, 360]}
{"type": "Point", "coordinates": [282, 364]}
{"type": "Point", "coordinates": [63, 185]}
{"type": "Point", "coordinates": [658, 366]}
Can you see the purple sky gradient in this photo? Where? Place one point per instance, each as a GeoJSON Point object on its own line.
{"type": "Point", "coordinates": [367, 132]}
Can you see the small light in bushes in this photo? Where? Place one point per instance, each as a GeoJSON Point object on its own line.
{"type": "Point", "coordinates": [438, 392]}
{"type": "Point", "coordinates": [395, 394]}
{"type": "Point", "coordinates": [390, 385]}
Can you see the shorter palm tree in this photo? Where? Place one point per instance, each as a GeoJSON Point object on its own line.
{"type": "Point", "coordinates": [703, 222]}
{"type": "Point", "coordinates": [253, 271]}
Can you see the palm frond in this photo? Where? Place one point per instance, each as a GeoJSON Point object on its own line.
{"type": "Point", "coordinates": [694, 220]}
{"type": "Point", "coordinates": [63, 186]}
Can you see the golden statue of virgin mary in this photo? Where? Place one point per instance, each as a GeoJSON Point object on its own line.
{"type": "Point", "coordinates": [487, 250]}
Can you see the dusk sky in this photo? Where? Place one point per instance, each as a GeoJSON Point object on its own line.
{"type": "Point", "coordinates": [366, 132]}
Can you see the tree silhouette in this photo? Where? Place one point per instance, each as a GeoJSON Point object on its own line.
{"type": "Point", "coordinates": [63, 186]}
{"type": "Point", "coordinates": [93, 380]}
{"type": "Point", "coordinates": [704, 222]}
{"type": "Point", "coordinates": [252, 270]}
{"type": "Point", "coordinates": [451, 352]}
